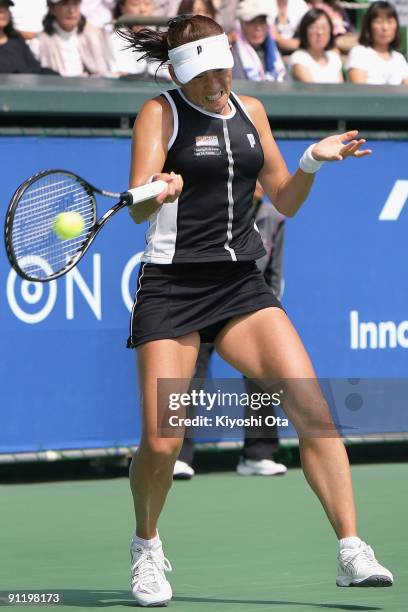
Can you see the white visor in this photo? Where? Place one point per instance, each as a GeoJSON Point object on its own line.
{"type": "Point", "coordinates": [209, 53]}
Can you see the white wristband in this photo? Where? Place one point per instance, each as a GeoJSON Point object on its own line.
{"type": "Point", "coordinates": [308, 163]}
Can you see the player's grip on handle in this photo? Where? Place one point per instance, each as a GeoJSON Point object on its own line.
{"type": "Point", "coordinates": [144, 192]}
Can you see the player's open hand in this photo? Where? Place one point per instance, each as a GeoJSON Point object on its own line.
{"type": "Point", "coordinates": [174, 187]}
{"type": "Point", "coordinates": [339, 147]}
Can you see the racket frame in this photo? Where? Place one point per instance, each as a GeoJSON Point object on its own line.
{"type": "Point", "coordinates": [125, 199]}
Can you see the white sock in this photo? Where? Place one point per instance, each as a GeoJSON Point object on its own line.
{"type": "Point", "coordinates": [148, 544]}
{"type": "Point", "coordinates": [353, 542]}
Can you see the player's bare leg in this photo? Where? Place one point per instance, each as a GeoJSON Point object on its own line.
{"type": "Point", "coordinates": [265, 345]}
{"type": "Point", "coordinates": [151, 471]}
{"type": "Point", "coordinates": [273, 349]}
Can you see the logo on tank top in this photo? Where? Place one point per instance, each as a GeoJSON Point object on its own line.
{"type": "Point", "coordinates": [251, 139]}
{"type": "Point", "coordinates": [207, 145]}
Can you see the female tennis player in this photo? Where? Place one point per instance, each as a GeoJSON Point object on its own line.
{"type": "Point", "coordinates": [199, 281]}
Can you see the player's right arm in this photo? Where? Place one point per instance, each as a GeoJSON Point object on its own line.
{"type": "Point", "coordinates": [151, 133]}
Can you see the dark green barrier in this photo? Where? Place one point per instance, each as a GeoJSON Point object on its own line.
{"type": "Point", "coordinates": [47, 96]}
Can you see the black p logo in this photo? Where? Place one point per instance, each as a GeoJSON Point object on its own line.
{"type": "Point", "coordinates": [199, 49]}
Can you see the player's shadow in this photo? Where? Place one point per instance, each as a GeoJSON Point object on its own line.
{"type": "Point", "coordinates": [84, 598]}
{"type": "Point", "coordinates": [274, 602]}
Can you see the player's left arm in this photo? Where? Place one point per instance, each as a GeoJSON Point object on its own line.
{"type": "Point", "coordinates": [288, 192]}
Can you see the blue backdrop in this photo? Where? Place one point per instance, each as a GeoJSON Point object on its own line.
{"type": "Point", "coordinates": [66, 379]}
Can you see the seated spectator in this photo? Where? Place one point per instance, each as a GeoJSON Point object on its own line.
{"type": "Point", "coordinates": [125, 61]}
{"type": "Point", "coordinates": [69, 44]}
{"type": "Point", "coordinates": [197, 7]}
{"type": "Point", "coordinates": [376, 60]}
{"type": "Point", "coordinates": [15, 55]}
{"type": "Point", "coordinates": [28, 16]}
{"type": "Point", "coordinates": [98, 12]}
{"type": "Point", "coordinates": [226, 14]}
{"type": "Point", "coordinates": [314, 61]}
{"type": "Point", "coordinates": [225, 11]}
{"type": "Point", "coordinates": [166, 8]}
{"type": "Point", "coordinates": [287, 16]}
{"type": "Point", "coordinates": [345, 37]}
{"type": "Point", "coordinates": [255, 52]}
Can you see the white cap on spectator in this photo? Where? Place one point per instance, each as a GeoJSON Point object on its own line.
{"type": "Point", "coordinates": [209, 53]}
{"type": "Point", "coordinates": [248, 10]}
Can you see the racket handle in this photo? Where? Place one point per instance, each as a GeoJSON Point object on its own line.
{"type": "Point", "coordinates": [144, 192]}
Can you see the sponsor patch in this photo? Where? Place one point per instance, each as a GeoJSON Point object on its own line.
{"type": "Point", "coordinates": [207, 145]}
{"type": "Point", "coordinates": [207, 141]}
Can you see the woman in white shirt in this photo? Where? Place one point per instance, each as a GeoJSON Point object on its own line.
{"type": "Point", "coordinates": [69, 45]}
{"type": "Point", "coordinates": [314, 61]}
{"type": "Point", "coordinates": [376, 60]}
{"type": "Point", "coordinates": [125, 61]}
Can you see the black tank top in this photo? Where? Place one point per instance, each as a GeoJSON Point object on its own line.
{"type": "Point", "coordinates": [219, 158]}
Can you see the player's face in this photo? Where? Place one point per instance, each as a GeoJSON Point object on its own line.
{"type": "Point", "coordinates": [210, 90]}
{"type": "Point", "coordinates": [318, 34]}
{"type": "Point", "coordinates": [67, 14]}
{"type": "Point", "coordinates": [383, 29]}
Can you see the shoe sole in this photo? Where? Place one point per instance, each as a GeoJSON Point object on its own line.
{"type": "Point", "coordinates": [371, 581]}
{"type": "Point", "coordinates": [159, 604]}
{"type": "Point", "coordinates": [252, 473]}
{"type": "Point", "coordinates": [182, 476]}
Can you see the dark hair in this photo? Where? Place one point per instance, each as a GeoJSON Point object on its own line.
{"type": "Point", "coordinates": [49, 21]}
{"type": "Point", "coordinates": [307, 20]}
{"type": "Point", "coordinates": [182, 29]}
{"type": "Point", "coordinates": [374, 11]}
{"type": "Point", "coordinates": [117, 9]}
{"type": "Point", "coordinates": [9, 30]}
{"type": "Point", "coordinates": [187, 6]}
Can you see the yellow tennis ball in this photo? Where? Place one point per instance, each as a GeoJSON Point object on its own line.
{"type": "Point", "coordinates": [69, 225]}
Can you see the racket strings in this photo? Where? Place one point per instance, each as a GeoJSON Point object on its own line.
{"type": "Point", "coordinates": [36, 246]}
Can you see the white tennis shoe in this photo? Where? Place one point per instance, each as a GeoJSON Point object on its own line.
{"type": "Point", "coordinates": [358, 567]}
{"type": "Point", "coordinates": [149, 584]}
{"type": "Point", "coordinates": [264, 467]}
{"type": "Point", "coordinates": [182, 471]}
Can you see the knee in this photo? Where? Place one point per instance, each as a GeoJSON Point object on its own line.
{"type": "Point", "coordinates": [162, 450]}
{"type": "Point", "coordinates": [312, 419]}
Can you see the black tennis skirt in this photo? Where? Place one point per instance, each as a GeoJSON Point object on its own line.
{"type": "Point", "coordinates": [175, 299]}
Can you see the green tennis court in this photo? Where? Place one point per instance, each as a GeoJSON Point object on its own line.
{"type": "Point", "coordinates": [252, 544]}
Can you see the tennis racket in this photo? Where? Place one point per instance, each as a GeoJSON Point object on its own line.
{"type": "Point", "coordinates": [34, 249]}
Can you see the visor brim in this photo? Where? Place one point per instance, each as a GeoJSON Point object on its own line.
{"type": "Point", "coordinates": [192, 68]}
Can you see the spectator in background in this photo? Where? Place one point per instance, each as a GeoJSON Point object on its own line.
{"type": "Point", "coordinates": [255, 52]}
{"type": "Point", "coordinates": [166, 8]}
{"type": "Point", "coordinates": [98, 12]}
{"type": "Point", "coordinates": [376, 60]}
{"type": "Point", "coordinates": [15, 55]}
{"type": "Point", "coordinates": [315, 61]}
{"type": "Point", "coordinates": [125, 61]}
{"type": "Point", "coordinates": [28, 16]}
{"type": "Point", "coordinates": [286, 19]}
{"type": "Point", "coordinates": [69, 44]}
{"type": "Point", "coordinates": [225, 11]}
{"type": "Point", "coordinates": [197, 7]}
{"type": "Point", "coordinates": [345, 37]}
{"type": "Point", "coordinates": [227, 14]}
